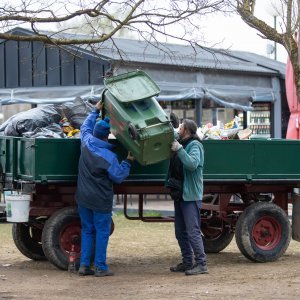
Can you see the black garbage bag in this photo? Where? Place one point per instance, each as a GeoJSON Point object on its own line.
{"type": "Point", "coordinates": [51, 131]}
{"type": "Point", "coordinates": [76, 111]}
{"type": "Point", "coordinates": [29, 120]}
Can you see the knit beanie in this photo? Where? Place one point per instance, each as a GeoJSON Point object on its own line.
{"type": "Point", "coordinates": [102, 128]}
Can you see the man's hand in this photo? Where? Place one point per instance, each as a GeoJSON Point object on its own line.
{"type": "Point", "coordinates": [176, 146]}
{"type": "Point", "coordinates": [130, 156]}
{"type": "Point", "coordinates": [99, 105]}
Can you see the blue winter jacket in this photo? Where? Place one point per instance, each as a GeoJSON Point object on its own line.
{"type": "Point", "coordinates": [98, 169]}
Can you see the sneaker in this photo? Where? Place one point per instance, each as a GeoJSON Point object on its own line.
{"type": "Point", "coordinates": [197, 269]}
{"type": "Point", "coordinates": [102, 273]}
{"type": "Point", "coordinates": [179, 268]}
{"type": "Point", "coordinates": [84, 271]}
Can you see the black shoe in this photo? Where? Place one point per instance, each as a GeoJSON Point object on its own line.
{"type": "Point", "coordinates": [197, 269]}
{"type": "Point", "coordinates": [102, 273]}
{"type": "Point", "coordinates": [84, 271]}
{"type": "Point", "coordinates": [179, 268]}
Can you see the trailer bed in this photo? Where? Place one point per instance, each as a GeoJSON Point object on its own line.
{"type": "Point", "coordinates": [56, 160]}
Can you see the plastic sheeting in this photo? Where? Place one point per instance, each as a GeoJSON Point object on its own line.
{"type": "Point", "coordinates": [234, 97]}
{"type": "Point", "coordinates": [230, 98]}
{"type": "Point", "coordinates": [48, 95]}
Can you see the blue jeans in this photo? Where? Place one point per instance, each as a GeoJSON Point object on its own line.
{"type": "Point", "coordinates": [188, 233]}
{"type": "Point", "coordinates": [95, 231]}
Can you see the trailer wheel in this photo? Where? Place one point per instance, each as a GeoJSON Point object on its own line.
{"type": "Point", "coordinates": [263, 232]}
{"type": "Point", "coordinates": [27, 239]}
{"type": "Point", "coordinates": [216, 236]}
{"type": "Point", "coordinates": [61, 231]}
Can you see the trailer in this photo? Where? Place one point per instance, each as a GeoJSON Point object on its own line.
{"type": "Point", "coordinates": [248, 185]}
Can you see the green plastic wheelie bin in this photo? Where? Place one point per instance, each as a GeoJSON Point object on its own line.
{"type": "Point", "coordinates": [137, 119]}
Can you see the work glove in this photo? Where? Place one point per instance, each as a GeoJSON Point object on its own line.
{"type": "Point", "coordinates": [176, 146]}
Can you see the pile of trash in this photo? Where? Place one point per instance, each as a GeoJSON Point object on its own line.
{"type": "Point", "coordinates": [64, 121]}
{"type": "Point", "coordinates": [49, 121]}
{"type": "Point", "coordinates": [229, 131]}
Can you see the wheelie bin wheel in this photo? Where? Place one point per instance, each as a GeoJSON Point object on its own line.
{"type": "Point", "coordinates": [263, 232]}
{"type": "Point", "coordinates": [61, 231]}
{"type": "Point", "coordinates": [174, 120]}
{"type": "Point", "coordinates": [132, 131]}
{"type": "Point", "coordinates": [27, 238]}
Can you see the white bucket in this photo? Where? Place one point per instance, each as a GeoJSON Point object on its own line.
{"type": "Point", "coordinates": [17, 207]}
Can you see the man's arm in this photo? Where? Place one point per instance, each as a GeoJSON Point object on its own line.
{"type": "Point", "coordinates": [119, 172]}
{"type": "Point", "coordinates": [192, 159]}
{"type": "Point", "coordinates": [88, 125]}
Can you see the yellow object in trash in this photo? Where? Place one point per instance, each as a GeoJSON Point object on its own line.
{"type": "Point", "coordinates": [73, 132]}
{"type": "Point", "coordinates": [67, 129]}
{"type": "Point", "coordinates": [229, 125]}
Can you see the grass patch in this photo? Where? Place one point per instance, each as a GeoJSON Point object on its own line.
{"type": "Point", "coordinates": [134, 213]}
{"type": "Point", "coordinates": [5, 232]}
{"type": "Point", "coordinates": [134, 237]}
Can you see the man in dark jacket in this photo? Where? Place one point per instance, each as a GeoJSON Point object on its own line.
{"type": "Point", "coordinates": [98, 170]}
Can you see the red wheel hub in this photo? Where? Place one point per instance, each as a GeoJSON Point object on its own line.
{"type": "Point", "coordinates": [267, 233]}
{"type": "Point", "coordinates": [71, 235]}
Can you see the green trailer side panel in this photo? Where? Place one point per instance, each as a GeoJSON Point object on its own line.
{"type": "Point", "coordinates": [8, 154]}
{"type": "Point", "coordinates": [228, 159]}
{"type": "Point", "coordinates": [277, 160]}
{"type": "Point", "coordinates": [56, 160]}
{"type": "Point", "coordinates": [252, 159]}
{"type": "Point", "coordinates": [48, 159]}
{"type": "Point", "coordinates": [51, 160]}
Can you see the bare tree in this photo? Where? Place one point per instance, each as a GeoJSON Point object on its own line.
{"type": "Point", "coordinates": [148, 18]}
{"type": "Point", "coordinates": [289, 13]}
{"type": "Point", "coordinates": [90, 25]}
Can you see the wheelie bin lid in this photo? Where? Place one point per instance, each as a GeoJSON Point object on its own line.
{"type": "Point", "coordinates": [131, 86]}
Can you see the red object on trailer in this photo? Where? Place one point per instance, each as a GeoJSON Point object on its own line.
{"type": "Point", "coordinates": [294, 105]}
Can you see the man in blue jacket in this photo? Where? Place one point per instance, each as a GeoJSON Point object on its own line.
{"type": "Point", "coordinates": [185, 180]}
{"type": "Point", "coordinates": [99, 168]}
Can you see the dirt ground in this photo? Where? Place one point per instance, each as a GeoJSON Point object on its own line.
{"type": "Point", "coordinates": [140, 255]}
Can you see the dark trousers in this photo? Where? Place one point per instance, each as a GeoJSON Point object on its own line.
{"type": "Point", "coordinates": [188, 233]}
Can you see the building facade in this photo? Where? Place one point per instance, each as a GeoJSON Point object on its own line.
{"type": "Point", "coordinates": [207, 85]}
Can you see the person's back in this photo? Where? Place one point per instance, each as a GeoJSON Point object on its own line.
{"type": "Point", "coordinates": [98, 169]}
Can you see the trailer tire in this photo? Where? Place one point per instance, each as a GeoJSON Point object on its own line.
{"type": "Point", "coordinates": [215, 242]}
{"type": "Point", "coordinates": [263, 232]}
{"type": "Point", "coordinates": [28, 240]}
{"type": "Point", "coordinates": [61, 231]}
